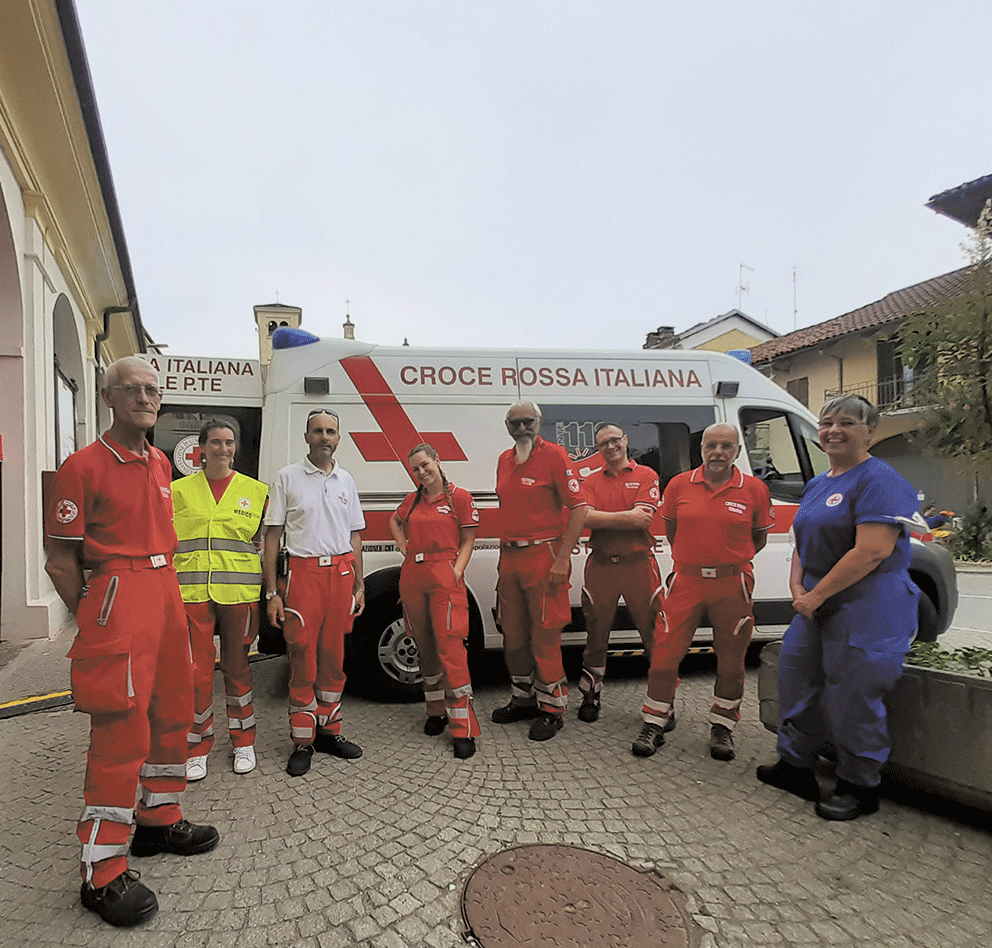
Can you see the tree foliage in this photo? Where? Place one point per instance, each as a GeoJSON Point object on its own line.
{"type": "Point", "coordinates": [953, 345]}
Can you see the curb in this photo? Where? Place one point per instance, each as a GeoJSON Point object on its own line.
{"type": "Point", "coordinates": [63, 699]}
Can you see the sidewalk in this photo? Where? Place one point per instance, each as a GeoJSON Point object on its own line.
{"type": "Point", "coordinates": [375, 852]}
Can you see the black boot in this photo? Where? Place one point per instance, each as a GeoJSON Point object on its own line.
{"type": "Point", "coordinates": [123, 901]}
{"type": "Point", "coordinates": [182, 838]}
{"type": "Point", "coordinates": [800, 781]}
{"type": "Point", "coordinates": [848, 801]}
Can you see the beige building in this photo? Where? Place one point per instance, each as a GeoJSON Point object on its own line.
{"type": "Point", "coordinates": [731, 331]}
{"type": "Point", "coordinates": [857, 353]}
{"type": "Point", "coordinates": [67, 300]}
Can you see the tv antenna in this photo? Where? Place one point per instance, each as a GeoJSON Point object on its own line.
{"type": "Point", "coordinates": [795, 307]}
{"type": "Point", "coordinates": [742, 287]}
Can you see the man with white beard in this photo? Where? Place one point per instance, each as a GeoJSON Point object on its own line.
{"type": "Point", "coordinates": [535, 483]}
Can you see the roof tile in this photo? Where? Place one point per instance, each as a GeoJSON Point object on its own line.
{"type": "Point", "coordinates": [894, 306]}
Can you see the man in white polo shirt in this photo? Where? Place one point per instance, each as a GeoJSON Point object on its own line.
{"type": "Point", "coordinates": [314, 508]}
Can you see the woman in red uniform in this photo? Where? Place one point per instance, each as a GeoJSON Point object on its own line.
{"type": "Point", "coordinates": [434, 529]}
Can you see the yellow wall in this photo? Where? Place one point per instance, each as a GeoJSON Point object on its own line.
{"type": "Point", "coordinates": [735, 339]}
{"type": "Point", "coordinates": [860, 367]}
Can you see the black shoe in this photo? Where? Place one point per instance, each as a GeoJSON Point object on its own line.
{"type": "Point", "coordinates": [546, 727]}
{"type": "Point", "coordinates": [464, 747]}
{"type": "Point", "coordinates": [123, 901]}
{"type": "Point", "coordinates": [721, 742]}
{"type": "Point", "coordinates": [847, 802]}
{"type": "Point", "coordinates": [670, 723]}
{"type": "Point", "coordinates": [652, 737]}
{"type": "Point", "coordinates": [181, 838]}
{"type": "Point", "coordinates": [800, 781]}
{"type": "Point", "coordinates": [514, 712]}
{"type": "Point", "coordinates": [435, 724]}
{"type": "Point", "coordinates": [589, 709]}
{"type": "Point", "coordinates": [335, 744]}
{"type": "Point", "coordinates": [299, 760]}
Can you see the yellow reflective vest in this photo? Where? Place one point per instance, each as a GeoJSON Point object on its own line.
{"type": "Point", "coordinates": [216, 559]}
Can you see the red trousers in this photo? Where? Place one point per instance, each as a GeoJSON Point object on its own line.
{"type": "Point", "coordinates": [435, 608]}
{"type": "Point", "coordinates": [636, 577]}
{"type": "Point", "coordinates": [237, 626]}
{"type": "Point", "coordinates": [132, 673]}
{"type": "Point", "coordinates": [319, 603]}
{"type": "Point", "coordinates": [532, 613]}
{"type": "Point", "coordinates": [727, 601]}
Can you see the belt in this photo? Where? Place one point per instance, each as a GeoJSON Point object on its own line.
{"type": "Point", "coordinates": [512, 544]}
{"type": "Point", "coordinates": [431, 557]}
{"type": "Point", "coordinates": [134, 562]}
{"type": "Point", "coordinates": [322, 560]}
{"type": "Point", "coordinates": [621, 557]}
{"type": "Point", "coordinates": [712, 572]}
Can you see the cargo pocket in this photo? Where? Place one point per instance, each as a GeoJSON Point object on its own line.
{"type": "Point", "coordinates": [456, 617]}
{"type": "Point", "coordinates": [100, 670]}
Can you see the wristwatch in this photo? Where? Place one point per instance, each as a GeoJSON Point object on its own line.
{"type": "Point", "coordinates": [271, 593]}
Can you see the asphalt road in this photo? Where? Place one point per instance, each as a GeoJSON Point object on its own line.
{"type": "Point", "coordinates": [972, 623]}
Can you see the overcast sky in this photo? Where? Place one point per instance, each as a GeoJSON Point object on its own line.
{"type": "Point", "coordinates": [525, 173]}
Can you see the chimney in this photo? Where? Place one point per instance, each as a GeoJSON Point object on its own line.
{"type": "Point", "coordinates": [662, 338]}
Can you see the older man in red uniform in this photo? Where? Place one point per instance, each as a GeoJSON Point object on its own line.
{"type": "Point", "coordinates": [131, 667]}
{"type": "Point", "coordinates": [622, 497]}
{"type": "Point", "coordinates": [535, 483]}
{"type": "Point", "coordinates": [716, 519]}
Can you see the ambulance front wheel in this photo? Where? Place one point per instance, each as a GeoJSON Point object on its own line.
{"type": "Point", "coordinates": [928, 624]}
{"type": "Point", "coordinates": [382, 659]}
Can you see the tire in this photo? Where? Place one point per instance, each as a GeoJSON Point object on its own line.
{"type": "Point", "coordinates": [382, 660]}
{"type": "Point", "coordinates": [927, 623]}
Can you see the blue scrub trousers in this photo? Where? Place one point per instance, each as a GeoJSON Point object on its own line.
{"type": "Point", "coordinates": [835, 672]}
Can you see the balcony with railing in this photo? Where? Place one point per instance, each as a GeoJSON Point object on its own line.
{"type": "Point", "coordinates": [896, 393]}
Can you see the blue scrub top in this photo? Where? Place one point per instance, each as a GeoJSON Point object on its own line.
{"type": "Point", "coordinates": [832, 508]}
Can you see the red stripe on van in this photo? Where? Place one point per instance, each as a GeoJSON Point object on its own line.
{"type": "Point", "coordinates": [398, 434]}
{"type": "Point", "coordinates": [373, 445]}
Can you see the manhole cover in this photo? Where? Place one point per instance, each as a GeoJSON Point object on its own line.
{"type": "Point", "coordinates": [564, 896]}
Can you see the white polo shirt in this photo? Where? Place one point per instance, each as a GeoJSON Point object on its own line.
{"type": "Point", "coordinates": [319, 511]}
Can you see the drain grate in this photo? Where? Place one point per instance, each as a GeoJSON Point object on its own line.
{"type": "Point", "coordinates": [566, 896]}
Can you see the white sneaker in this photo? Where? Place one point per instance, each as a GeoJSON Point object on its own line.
{"type": "Point", "coordinates": [244, 760]}
{"type": "Point", "coordinates": [196, 769]}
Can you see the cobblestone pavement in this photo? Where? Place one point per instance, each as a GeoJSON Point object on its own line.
{"type": "Point", "coordinates": [375, 852]}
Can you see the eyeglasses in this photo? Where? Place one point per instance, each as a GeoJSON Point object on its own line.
{"type": "Point", "coordinates": [151, 392]}
{"type": "Point", "coordinates": [515, 422]}
{"type": "Point", "coordinates": [323, 411]}
{"type": "Point", "coordinates": [840, 422]}
{"type": "Point", "coordinates": [610, 443]}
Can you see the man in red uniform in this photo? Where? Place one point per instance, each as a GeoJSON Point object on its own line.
{"type": "Point", "coordinates": [716, 519]}
{"type": "Point", "coordinates": [131, 667]}
{"type": "Point", "coordinates": [535, 483]}
{"type": "Point", "coordinates": [622, 499]}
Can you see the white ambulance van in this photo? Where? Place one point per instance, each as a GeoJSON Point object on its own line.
{"type": "Point", "coordinates": [392, 398]}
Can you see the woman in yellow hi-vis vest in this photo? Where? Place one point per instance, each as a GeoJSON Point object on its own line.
{"type": "Point", "coordinates": [218, 516]}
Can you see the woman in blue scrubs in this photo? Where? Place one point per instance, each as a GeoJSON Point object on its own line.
{"type": "Point", "coordinates": [855, 618]}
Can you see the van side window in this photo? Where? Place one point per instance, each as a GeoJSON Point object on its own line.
{"type": "Point", "coordinates": [179, 425]}
{"type": "Point", "coordinates": [782, 449]}
{"type": "Point", "coordinates": [665, 438]}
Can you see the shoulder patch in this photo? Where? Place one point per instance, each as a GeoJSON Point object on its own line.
{"type": "Point", "coordinates": [66, 511]}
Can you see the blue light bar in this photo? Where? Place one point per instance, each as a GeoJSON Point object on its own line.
{"type": "Point", "coordinates": [288, 338]}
